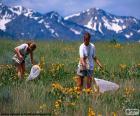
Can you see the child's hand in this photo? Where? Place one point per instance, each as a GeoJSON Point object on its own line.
{"type": "Point", "coordinates": [20, 57]}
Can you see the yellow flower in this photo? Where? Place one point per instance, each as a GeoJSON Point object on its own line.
{"type": "Point", "coordinates": [70, 90]}
{"type": "Point", "coordinates": [99, 115]}
{"type": "Point", "coordinates": [114, 114]}
{"type": "Point", "coordinates": [118, 45]}
{"type": "Point", "coordinates": [91, 112]}
{"type": "Point", "coordinates": [138, 65]}
{"type": "Point", "coordinates": [123, 66]}
{"type": "Point", "coordinates": [96, 88]}
{"type": "Point", "coordinates": [73, 104]}
{"type": "Point", "coordinates": [77, 90]}
{"type": "Point", "coordinates": [129, 90]}
{"type": "Point", "coordinates": [88, 90]}
{"type": "Point", "coordinates": [58, 103]}
{"type": "Point", "coordinates": [57, 86]}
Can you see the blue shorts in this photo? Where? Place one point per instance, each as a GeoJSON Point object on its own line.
{"type": "Point", "coordinates": [84, 73]}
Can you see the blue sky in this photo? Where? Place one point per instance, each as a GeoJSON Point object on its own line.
{"type": "Point", "coordinates": [67, 7]}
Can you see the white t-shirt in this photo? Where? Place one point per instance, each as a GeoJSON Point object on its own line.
{"type": "Point", "coordinates": [89, 52]}
{"type": "Point", "coordinates": [23, 49]}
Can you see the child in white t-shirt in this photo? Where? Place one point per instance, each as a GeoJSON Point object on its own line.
{"type": "Point", "coordinates": [21, 52]}
{"type": "Point", "coordinates": [86, 63]}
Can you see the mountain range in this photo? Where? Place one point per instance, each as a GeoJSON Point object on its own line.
{"type": "Point", "coordinates": [21, 23]}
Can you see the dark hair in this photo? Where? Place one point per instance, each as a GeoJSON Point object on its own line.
{"type": "Point", "coordinates": [29, 43]}
{"type": "Point", "coordinates": [87, 35]}
{"type": "Point", "coordinates": [32, 45]}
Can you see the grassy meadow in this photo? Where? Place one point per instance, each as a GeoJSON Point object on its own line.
{"type": "Point", "coordinates": [55, 91]}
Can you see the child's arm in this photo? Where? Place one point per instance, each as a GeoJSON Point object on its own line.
{"type": "Point", "coordinates": [31, 57]}
{"type": "Point", "coordinates": [18, 53]}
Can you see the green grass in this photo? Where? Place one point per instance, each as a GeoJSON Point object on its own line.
{"type": "Point", "coordinates": [61, 59]}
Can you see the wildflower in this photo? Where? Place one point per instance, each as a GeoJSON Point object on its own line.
{"type": "Point", "coordinates": [118, 45]}
{"type": "Point", "coordinates": [57, 86]}
{"type": "Point", "coordinates": [99, 115]}
{"type": "Point", "coordinates": [96, 88]}
{"type": "Point", "coordinates": [114, 114]}
{"type": "Point", "coordinates": [73, 104]}
{"type": "Point", "coordinates": [95, 69]}
{"type": "Point", "coordinates": [77, 90]}
{"type": "Point", "coordinates": [91, 112]}
{"type": "Point", "coordinates": [58, 103]}
{"type": "Point", "coordinates": [70, 90]}
{"type": "Point", "coordinates": [138, 65]}
{"type": "Point", "coordinates": [129, 90]}
{"type": "Point", "coordinates": [123, 66]}
{"type": "Point", "coordinates": [88, 90]}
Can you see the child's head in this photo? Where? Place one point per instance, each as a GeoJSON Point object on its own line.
{"type": "Point", "coordinates": [32, 46]}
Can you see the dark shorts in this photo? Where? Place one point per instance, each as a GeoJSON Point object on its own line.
{"type": "Point", "coordinates": [16, 60]}
{"type": "Point", "coordinates": [84, 73]}
{"type": "Point", "coordinates": [17, 63]}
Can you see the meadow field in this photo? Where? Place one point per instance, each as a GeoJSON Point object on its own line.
{"type": "Point", "coordinates": [55, 91]}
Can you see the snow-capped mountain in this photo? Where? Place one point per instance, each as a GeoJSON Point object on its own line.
{"type": "Point", "coordinates": [19, 22]}
{"type": "Point", "coordinates": [108, 25]}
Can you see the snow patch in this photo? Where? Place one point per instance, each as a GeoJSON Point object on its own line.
{"type": "Point", "coordinates": [75, 31]}
{"type": "Point", "coordinates": [28, 13]}
{"type": "Point", "coordinates": [22, 34]}
{"type": "Point", "coordinates": [138, 31]}
{"type": "Point", "coordinates": [17, 10]}
{"type": "Point", "coordinates": [46, 25]}
{"type": "Point", "coordinates": [135, 20]}
{"type": "Point", "coordinates": [56, 34]}
{"type": "Point", "coordinates": [88, 10]}
{"type": "Point", "coordinates": [3, 23]}
{"type": "Point", "coordinates": [62, 23]}
{"type": "Point", "coordinates": [59, 19]}
{"type": "Point", "coordinates": [94, 26]}
{"type": "Point", "coordinates": [52, 30]}
{"type": "Point", "coordinates": [91, 25]}
{"type": "Point", "coordinates": [129, 35]}
{"type": "Point", "coordinates": [124, 27]}
{"type": "Point", "coordinates": [42, 30]}
{"type": "Point", "coordinates": [100, 30]}
{"type": "Point", "coordinates": [35, 18]}
{"type": "Point", "coordinates": [112, 26]}
{"type": "Point", "coordinates": [97, 8]}
{"type": "Point", "coordinates": [41, 21]}
{"type": "Point", "coordinates": [77, 14]}
{"type": "Point", "coordinates": [117, 20]}
{"type": "Point", "coordinates": [96, 18]}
